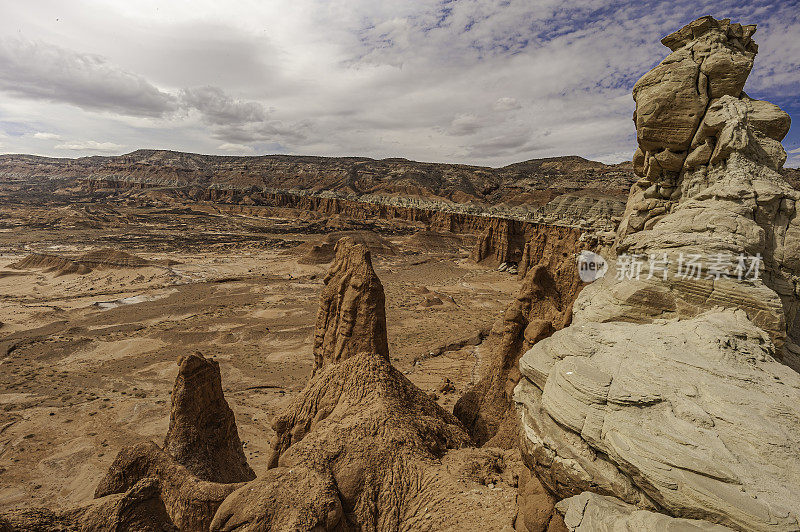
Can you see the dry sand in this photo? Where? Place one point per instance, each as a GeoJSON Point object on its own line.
{"type": "Point", "coordinates": [87, 360]}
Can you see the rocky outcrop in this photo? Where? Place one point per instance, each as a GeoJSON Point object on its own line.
{"type": "Point", "coordinates": [672, 393]}
{"type": "Point", "coordinates": [502, 240]}
{"type": "Point", "coordinates": [653, 414]}
{"type": "Point", "coordinates": [589, 512]}
{"type": "Point", "coordinates": [366, 449]}
{"type": "Point", "coordinates": [352, 313]}
{"type": "Point", "coordinates": [202, 461]}
{"type": "Point", "coordinates": [542, 305]}
{"type": "Point", "coordinates": [189, 501]}
{"type": "Point", "coordinates": [362, 447]}
{"type": "Point", "coordinates": [202, 432]}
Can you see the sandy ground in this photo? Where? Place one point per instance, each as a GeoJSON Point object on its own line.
{"type": "Point", "coordinates": [87, 361]}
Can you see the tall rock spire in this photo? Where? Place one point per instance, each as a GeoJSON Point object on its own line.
{"type": "Point", "coordinates": [352, 314]}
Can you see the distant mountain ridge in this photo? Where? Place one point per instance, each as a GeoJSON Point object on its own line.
{"type": "Point", "coordinates": [536, 181]}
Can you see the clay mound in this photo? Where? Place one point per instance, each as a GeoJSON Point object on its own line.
{"type": "Point", "coordinates": [112, 258]}
{"type": "Point", "coordinates": [101, 259]}
{"type": "Point", "coordinates": [360, 392]}
{"type": "Point", "coordinates": [362, 448]}
{"type": "Point", "coordinates": [51, 264]}
{"type": "Point", "coordinates": [311, 502]}
{"type": "Point", "coordinates": [324, 252]}
{"type": "Point", "coordinates": [352, 315]}
{"type": "Point", "coordinates": [434, 242]}
{"type": "Point", "coordinates": [202, 432]}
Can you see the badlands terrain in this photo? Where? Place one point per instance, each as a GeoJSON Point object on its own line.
{"type": "Point", "coordinates": [193, 342]}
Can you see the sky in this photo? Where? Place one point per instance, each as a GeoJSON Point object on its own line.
{"type": "Point", "coordinates": [466, 81]}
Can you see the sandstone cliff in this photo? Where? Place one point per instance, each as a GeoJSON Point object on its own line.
{"type": "Point", "coordinates": [550, 284]}
{"type": "Point", "coordinates": [673, 393]}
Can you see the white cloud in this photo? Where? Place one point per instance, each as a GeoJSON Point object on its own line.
{"type": "Point", "coordinates": [46, 136]}
{"type": "Point", "coordinates": [43, 71]}
{"type": "Point", "coordinates": [90, 145]}
{"type": "Point", "coordinates": [506, 104]}
{"type": "Point", "coordinates": [235, 148]}
{"type": "Point", "coordinates": [464, 124]}
{"type": "Point", "coordinates": [470, 81]}
{"type": "Point", "coordinates": [796, 150]}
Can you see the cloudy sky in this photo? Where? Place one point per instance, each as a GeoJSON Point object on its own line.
{"type": "Point", "coordinates": [473, 81]}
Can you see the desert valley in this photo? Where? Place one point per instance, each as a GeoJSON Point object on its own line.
{"type": "Point", "coordinates": [241, 343]}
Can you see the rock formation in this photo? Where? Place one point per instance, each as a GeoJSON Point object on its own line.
{"type": "Point", "coordinates": [324, 251]}
{"type": "Point", "coordinates": [352, 313]}
{"type": "Point", "coordinates": [502, 240]}
{"type": "Point", "coordinates": [589, 512]}
{"type": "Point", "coordinates": [101, 259]}
{"type": "Point", "coordinates": [362, 447]}
{"type": "Point", "coordinates": [670, 393]}
{"type": "Point", "coordinates": [542, 305]}
{"type": "Point", "coordinates": [202, 461]}
{"type": "Point", "coordinates": [202, 432]}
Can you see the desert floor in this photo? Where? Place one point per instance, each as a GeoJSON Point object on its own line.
{"type": "Point", "coordinates": [87, 361]}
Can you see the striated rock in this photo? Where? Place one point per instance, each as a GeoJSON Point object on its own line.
{"type": "Point", "coordinates": [674, 394]}
{"type": "Point", "coordinates": [542, 305]}
{"type": "Point", "coordinates": [727, 199]}
{"type": "Point", "coordinates": [653, 414]}
{"type": "Point", "coordinates": [240, 179]}
{"type": "Point", "coordinates": [589, 512]}
{"type": "Point", "coordinates": [202, 432]}
{"type": "Point", "coordinates": [352, 315]}
{"type": "Point", "coordinates": [501, 241]}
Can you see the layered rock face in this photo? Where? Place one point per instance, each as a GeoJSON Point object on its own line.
{"type": "Point", "coordinates": [708, 160]}
{"type": "Point", "coordinates": [674, 393]}
{"type": "Point", "coordinates": [542, 305]}
{"type": "Point", "coordinates": [352, 313]}
{"type": "Point", "coordinates": [589, 512]}
{"type": "Point", "coordinates": [202, 432]}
